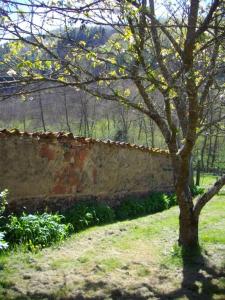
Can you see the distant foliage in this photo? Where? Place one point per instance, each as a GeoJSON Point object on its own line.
{"type": "Point", "coordinates": [85, 214]}
{"type": "Point", "coordinates": [38, 230]}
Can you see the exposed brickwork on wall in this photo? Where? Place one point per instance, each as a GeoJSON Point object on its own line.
{"type": "Point", "coordinates": [41, 169]}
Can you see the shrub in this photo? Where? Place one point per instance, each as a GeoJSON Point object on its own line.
{"type": "Point", "coordinates": [3, 203]}
{"type": "Point", "coordinates": [132, 208]}
{"type": "Point", "coordinates": [197, 190]}
{"type": "Point", "coordinates": [85, 214]}
{"type": "Point", "coordinates": [171, 200]}
{"type": "Point", "coordinates": [156, 202]}
{"type": "Point", "coordinates": [40, 230]}
{"type": "Point", "coordinates": [3, 243]}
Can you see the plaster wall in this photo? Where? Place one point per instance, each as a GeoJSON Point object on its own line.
{"type": "Point", "coordinates": [54, 170]}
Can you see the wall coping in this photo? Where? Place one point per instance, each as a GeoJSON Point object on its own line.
{"type": "Point", "coordinates": [62, 136]}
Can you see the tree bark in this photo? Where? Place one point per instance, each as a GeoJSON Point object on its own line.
{"type": "Point", "coordinates": [188, 221]}
{"type": "Point", "coordinates": [198, 173]}
{"type": "Point", "coordinates": [188, 230]}
{"type": "Point", "coordinates": [203, 152]}
{"type": "Point", "coordinates": [152, 133]}
{"type": "Point", "coordinates": [66, 111]}
{"type": "Point", "coordinates": [207, 196]}
{"type": "Point", "coordinates": [191, 173]}
{"type": "Point", "coordinates": [42, 113]}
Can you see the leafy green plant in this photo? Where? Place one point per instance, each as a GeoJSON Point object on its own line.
{"type": "Point", "coordinates": [39, 230]}
{"type": "Point", "coordinates": [132, 207]}
{"type": "Point", "coordinates": [156, 202]}
{"type": "Point", "coordinates": [3, 203]}
{"type": "Point", "coordinates": [85, 214]}
{"type": "Point", "coordinates": [197, 190]}
{"type": "Point", "coordinates": [171, 200]}
{"type": "Point", "coordinates": [3, 243]}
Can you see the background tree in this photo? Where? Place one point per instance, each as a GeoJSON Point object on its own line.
{"type": "Point", "coordinates": [163, 61]}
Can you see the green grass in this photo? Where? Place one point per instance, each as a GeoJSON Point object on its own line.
{"type": "Point", "coordinates": [110, 264]}
{"type": "Point", "coordinates": [212, 221]}
{"type": "Point", "coordinates": [207, 179]}
{"type": "Point", "coordinates": [122, 256]}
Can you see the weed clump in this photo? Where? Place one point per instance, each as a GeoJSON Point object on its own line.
{"type": "Point", "coordinates": [3, 203]}
{"type": "Point", "coordinates": [89, 213]}
{"type": "Point", "coordinates": [155, 202]}
{"type": "Point", "coordinates": [37, 230]}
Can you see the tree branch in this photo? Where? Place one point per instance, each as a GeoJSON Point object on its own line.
{"type": "Point", "coordinates": [208, 125]}
{"type": "Point", "coordinates": [208, 18]}
{"type": "Point", "coordinates": [206, 197]}
{"type": "Point", "coordinates": [159, 25]}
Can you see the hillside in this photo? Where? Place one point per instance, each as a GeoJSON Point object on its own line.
{"type": "Point", "coordinates": [67, 108]}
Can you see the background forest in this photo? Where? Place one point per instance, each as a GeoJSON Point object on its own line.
{"type": "Point", "coordinates": [49, 107]}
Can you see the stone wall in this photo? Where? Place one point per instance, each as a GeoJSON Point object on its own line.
{"type": "Point", "coordinates": [55, 169]}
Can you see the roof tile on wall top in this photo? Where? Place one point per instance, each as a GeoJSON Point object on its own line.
{"type": "Point", "coordinates": [48, 135]}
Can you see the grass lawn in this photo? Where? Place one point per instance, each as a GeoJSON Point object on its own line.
{"type": "Point", "coordinates": [136, 259]}
{"type": "Point", "coordinates": [207, 179]}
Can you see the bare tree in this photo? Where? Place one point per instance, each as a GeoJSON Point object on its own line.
{"type": "Point", "coordinates": [41, 112]}
{"type": "Point", "coordinates": [66, 111]}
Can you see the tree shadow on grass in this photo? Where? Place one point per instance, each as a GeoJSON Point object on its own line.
{"type": "Point", "coordinates": [200, 281]}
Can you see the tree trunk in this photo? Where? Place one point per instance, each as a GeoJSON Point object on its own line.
{"type": "Point", "coordinates": [152, 133]}
{"type": "Point", "coordinates": [140, 129]}
{"type": "Point", "coordinates": [66, 111]}
{"type": "Point", "coordinates": [42, 113]}
{"type": "Point", "coordinates": [203, 152]}
{"type": "Point", "coordinates": [24, 123]}
{"type": "Point", "coordinates": [198, 172]}
{"type": "Point", "coordinates": [191, 173]}
{"type": "Point", "coordinates": [188, 221]}
{"type": "Point", "coordinates": [146, 132]}
{"type": "Point", "coordinates": [190, 212]}
{"type": "Point", "coordinates": [209, 151]}
{"type": "Point", "coordinates": [188, 230]}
